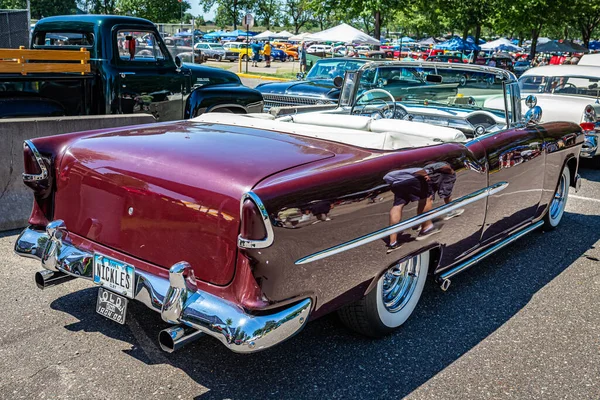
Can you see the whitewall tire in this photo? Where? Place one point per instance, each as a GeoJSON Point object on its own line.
{"type": "Point", "coordinates": [556, 209]}
{"type": "Point", "coordinates": [392, 302]}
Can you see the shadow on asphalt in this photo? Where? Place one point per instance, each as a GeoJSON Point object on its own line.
{"type": "Point", "coordinates": [326, 361]}
{"type": "Point", "coordinates": [590, 169]}
{"type": "Point", "coordinates": [10, 233]}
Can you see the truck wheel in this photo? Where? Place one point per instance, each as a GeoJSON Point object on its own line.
{"type": "Point", "coordinates": [218, 58]}
{"type": "Point", "coordinates": [556, 209]}
{"type": "Point", "coordinates": [388, 306]}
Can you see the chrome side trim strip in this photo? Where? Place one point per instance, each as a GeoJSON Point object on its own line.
{"type": "Point", "coordinates": [256, 244]}
{"type": "Point", "coordinates": [472, 261]}
{"type": "Point", "coordinates": [39, 160]}
{"type": "Point", "coordinates": [405, 225]}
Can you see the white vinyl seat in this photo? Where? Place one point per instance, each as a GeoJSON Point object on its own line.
{"type": "Point", "coordinates": [380, 140]}
{"type": "Point", "coordinates": [359, 122]}
{"type": "Point", "coordinates": [437, 133]}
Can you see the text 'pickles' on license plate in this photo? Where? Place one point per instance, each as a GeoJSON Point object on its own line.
{"type": "Point", "coordinates": [111, 305]}
{"type": "Point", "coordinates": [114, 275]}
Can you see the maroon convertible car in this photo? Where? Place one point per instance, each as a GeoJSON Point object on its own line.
{"type": "Point", "coordinates": [244, 227]}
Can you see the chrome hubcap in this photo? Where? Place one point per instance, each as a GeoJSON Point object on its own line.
{"type": "Point", "coordinates": [558, 202]}
{"type": "Point", "coordinates": [399, 283]}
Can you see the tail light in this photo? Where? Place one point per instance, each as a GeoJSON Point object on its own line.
{"type": "Point", "coordinates": [35, 168]}
{"type": "Point", "coordinates": [38, 177]}
{"type": "Point", "coordinates": [587, 126]}
{"type": "Point", "coordinates": [256, 231]}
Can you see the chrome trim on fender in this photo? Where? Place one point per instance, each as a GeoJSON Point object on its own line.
{"type": "Point", "coordinates": [177, 299]}
{"type": "Point", "coordinates": [40, 162]}
{"type": "Point", "coordinates": [472, 261]}
{"type": "Point", "coordinates": [256, 244]}
{"type": "Point", "coordinates": [405, 225]}
{"type": "Point", "coordinates": [590, 145]}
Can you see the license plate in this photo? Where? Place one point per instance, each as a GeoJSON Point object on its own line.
{"type": "Point", "coordinates": [111, 305]}
{"type": "Point", "coordinates": [114, 275]}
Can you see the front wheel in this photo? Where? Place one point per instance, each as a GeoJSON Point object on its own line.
{"type": "Point", "coordinates": [244, 57]}
{"type": "Point", "coordinates": [290, 58]}
{"type": "Point", "coordinates": [556, 209]}
{"type": "Point", "coordinates": [388, 306]}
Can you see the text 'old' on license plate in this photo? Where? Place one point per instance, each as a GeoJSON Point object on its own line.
{"type": "Point", "coordinates": [114, 275]}
{"type": "Point", "coordinates": [111, 305]}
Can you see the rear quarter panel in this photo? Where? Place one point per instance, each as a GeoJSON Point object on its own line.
{"type": "Point", "coordinates": [351, 191]}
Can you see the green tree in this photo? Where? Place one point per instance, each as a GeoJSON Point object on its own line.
{"type": "Point", "coordinates": [42, 8]}
{"type": "Point", "coordinates": [229, 12]}
{"type": "Point", "coordinates": [584, 15]}
{"type": "Point", "coordinates": [153, 10]}
{"type": "Point", "coordinates": [267, 12]}
{"type": "Point", "coordinates": [299, 12]}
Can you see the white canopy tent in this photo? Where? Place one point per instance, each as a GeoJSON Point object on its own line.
{"type": "Point", "coordinates": [500, 44]}
{"type": "Point", "coordinates": [343, 33]}
{"type": "Point", "coordinates": [300, 37]}
{"type": "Point", "coordinates": [264, 35]}
{"type": "Point", "coordinates": [283, 35]}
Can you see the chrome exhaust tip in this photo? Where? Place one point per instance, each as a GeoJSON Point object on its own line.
{"type": "Point", "coordinates": [176, 337]}
{"type": "Point", "coordinates": [45, 279]}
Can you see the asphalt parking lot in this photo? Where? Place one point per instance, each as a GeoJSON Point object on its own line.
{"type": "Point", "coordinates": [522, 324]}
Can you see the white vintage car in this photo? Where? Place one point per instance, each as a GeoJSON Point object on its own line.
{"type": "Point", "coordinates": [568, 93]}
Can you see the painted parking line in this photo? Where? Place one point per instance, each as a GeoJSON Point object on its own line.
{"type": "Point", "coordinates": [584, 198]}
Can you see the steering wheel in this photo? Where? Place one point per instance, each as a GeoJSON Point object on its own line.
{"type": "Point", "coordinates": [387, 111]}
{"type": "Point", "coordinates": [565, 86]}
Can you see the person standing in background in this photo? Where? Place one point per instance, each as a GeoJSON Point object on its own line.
{"type": "Point", "coordinates": [302, 57]}
{"type": "Point", "coordinates": [267, 54]}
{"type": "Point", "coordinates": [255, 53]}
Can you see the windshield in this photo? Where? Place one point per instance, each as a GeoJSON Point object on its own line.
{"type": "Point", "coordinates": [565, 85]}
{"type": "Point", "coordinates": [450, 86]}
{"type": "Point", "coordinates": [329, 69]}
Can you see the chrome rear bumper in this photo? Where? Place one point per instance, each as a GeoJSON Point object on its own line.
{"type": "Point", "coordinates": [177, 299]}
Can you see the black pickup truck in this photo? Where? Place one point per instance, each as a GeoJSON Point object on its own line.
{"type": "Point", "coordinates": [131, 71]}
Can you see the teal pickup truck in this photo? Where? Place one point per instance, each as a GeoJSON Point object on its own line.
{"type": "Point", "coordinates": [131, 71]}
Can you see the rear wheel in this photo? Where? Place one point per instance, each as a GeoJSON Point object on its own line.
{"type": "Point", "coordinates": [290, 58]}
{"type": "Point", "coordinates": [217, 58]}
{"type": "Point", "coordinates": [389, 305]}
{"type": "Point", "coordinates": [244, 57]}
{"type": "Point", "coordinates": [556, 209]}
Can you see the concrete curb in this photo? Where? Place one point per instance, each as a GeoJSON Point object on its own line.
{"type": "Point", "coordinates": [15, 198]}
{"type": "Point", "coordinates": [267, 78]}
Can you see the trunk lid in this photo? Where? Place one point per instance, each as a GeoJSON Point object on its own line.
{"type": "Point", "coordinates": [171, 192]}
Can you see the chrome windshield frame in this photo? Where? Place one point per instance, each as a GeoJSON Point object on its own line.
{"type": "Point", "coordinates": [508, 80]}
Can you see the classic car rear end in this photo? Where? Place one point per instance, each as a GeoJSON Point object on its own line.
{"type": "Point", "coordinates": [245, 226]}
{"type": "Point", "coordinates": [104, 210]}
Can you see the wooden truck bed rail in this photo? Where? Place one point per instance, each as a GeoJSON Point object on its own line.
{"type": "Point", "coordinates": [61, 61]}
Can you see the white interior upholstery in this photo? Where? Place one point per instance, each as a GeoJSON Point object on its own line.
{"type": "Point", "coordinates": [359, 122]}
{"type": "Point", "coordinates": [438, 133]}
{"type": "Point", "coordinates": [386, 134]}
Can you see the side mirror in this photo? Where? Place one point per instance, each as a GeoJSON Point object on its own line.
{"type": "Point", "coordinates": [338, 81]}
{"type": "Point", "coordinates": [533, 116]}
{"type": "Point", "coordinates": [531, 101]}
{"type": "Point", "coordinates": [178, 62]}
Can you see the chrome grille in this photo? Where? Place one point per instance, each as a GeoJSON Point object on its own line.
{"type": "Point", "coordinates": [283, 100]}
